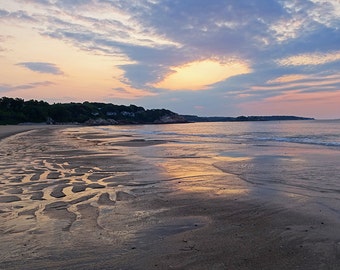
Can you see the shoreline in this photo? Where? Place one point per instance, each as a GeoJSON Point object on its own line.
{"type": "Point", "coordinates": [74, 198]}
{"type": "Point", "coordinates": [10, 130]}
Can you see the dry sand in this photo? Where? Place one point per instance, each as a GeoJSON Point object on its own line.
{"type": "Point", "coordinates": [70, 199]}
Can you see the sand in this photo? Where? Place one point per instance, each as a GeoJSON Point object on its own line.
{"type": "Point", "coordinates": [70, 198]}
{"type": "Point", "coordinates": [8, 130]}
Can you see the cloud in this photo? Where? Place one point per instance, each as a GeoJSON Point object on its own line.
{"type": "Point", "coordinates": [222, 27]}
{"type": "Point", "coordinates": [42, 67]}
{"type": "Point", "coordinates": [309, 59]}
{"type": "Point", "coordinates": [288, 46]}
{"type": "Point", "coordinates": [302, 18]}
{"type": "Point", "coordinates": [291, 87]}
{"type": "Point", "coordinates": [291, 103]}
{"type": "Point", "coordinates": [276, 92]}
{"type": "Point", "coordinates": [129, 93]}
{"type": "Point", "coordinates": [8, 88]}
{"type": "Point", "coordinates": [102, 21]}
{"type": "Point", "coordinates": [288, 78]}
{"type": "Point", "coordinates": [304, 97]}
{"type": "Point", "coordinates": [326, 12]}
{"type": "Point", "coordinates": [155, 34]}
{"type": "Point", "coordinates": [19, 15]}
{"type": "Point", "coordinates": [5, 38]}
{"type": "Point", "coordinates": [286, 29]}
{"type": "Point", "coordinates": [200, 75]}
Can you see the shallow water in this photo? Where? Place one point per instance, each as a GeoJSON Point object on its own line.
{"type": "Point", "coordinates": [283, 157]}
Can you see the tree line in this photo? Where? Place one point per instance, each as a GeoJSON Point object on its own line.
{"type": "Point", "coordinates": [17, 110]}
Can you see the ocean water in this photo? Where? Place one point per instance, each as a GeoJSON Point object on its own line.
{"type": "Point", "coordinates": [295, 158]}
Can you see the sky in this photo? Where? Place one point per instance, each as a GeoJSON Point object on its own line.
{"type": "Point", "coordinates": [201, 57]}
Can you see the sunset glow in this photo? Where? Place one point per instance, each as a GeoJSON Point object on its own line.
{"type": "Point", "coordinates": [203, 58]}
{"type": "Point", "coordinates": [200, 75]}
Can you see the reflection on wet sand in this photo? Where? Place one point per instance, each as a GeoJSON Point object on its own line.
{"type": "Point", "coordinates": [79, 198]}
{"type": "Point", "coordinates": [201, 176]}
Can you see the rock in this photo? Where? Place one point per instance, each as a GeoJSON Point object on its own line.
{"type": "Point", "coordinates": [100, 122]}
{"type": "Point", "coordinates": [171, 118]}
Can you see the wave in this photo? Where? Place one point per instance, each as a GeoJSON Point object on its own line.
{"type": "Point", "coordinates": [181, 134]}
{"type": "Point", "coordinates": [300, 140]}
{"type": "Point", "coordinates": [323, 136]}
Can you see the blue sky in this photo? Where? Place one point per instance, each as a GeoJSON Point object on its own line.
{"type": "Point", "coordinates": [226, 58]}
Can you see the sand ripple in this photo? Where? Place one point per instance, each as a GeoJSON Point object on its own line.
{"type": "Point", "coordinates": [53, 184]}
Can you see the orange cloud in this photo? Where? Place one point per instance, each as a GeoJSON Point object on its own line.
{"type": "Point", "coordinates": [128, 92]}
{"type": "Point", "coordinates": [288, 78]}
{"type": "Point", "coordinates": [86, 76]}
{"type": "Point", "coordinates": [199, 75]}
{"type": "Point", "coordinates": [309, 59]}
{"type": "Point", "coordinates": [297, 81]}
{"type": "Point", "coordinates": [319, 105]}
{"type": "Point", "coordinates": [244, 95]}
{"type": "Point", "coordinates": [300, 96]}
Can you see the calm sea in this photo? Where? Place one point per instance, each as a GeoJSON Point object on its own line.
{"type": "Point", "coordinates": [299, 158]}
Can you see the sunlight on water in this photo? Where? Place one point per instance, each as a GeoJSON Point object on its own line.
{"type": "Point", "coordinates": [294, 157]}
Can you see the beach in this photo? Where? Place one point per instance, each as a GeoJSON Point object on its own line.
{"type": "Point", "coordinates": [119, 198]}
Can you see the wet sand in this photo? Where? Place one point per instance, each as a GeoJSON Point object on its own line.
{"type": "Point", "coordinates": [72, 198]}
{"type": "Point", "coordinates": [8, 130]}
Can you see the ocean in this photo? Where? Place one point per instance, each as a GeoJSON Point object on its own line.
{"type": "Point", "coordinates": [295, 159]}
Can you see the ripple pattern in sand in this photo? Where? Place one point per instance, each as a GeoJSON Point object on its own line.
{"type": "Point", "coordinates": [57, 185]}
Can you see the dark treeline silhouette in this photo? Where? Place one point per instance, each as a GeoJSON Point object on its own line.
{"type": "Point", "coordinates": [16, 110]}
